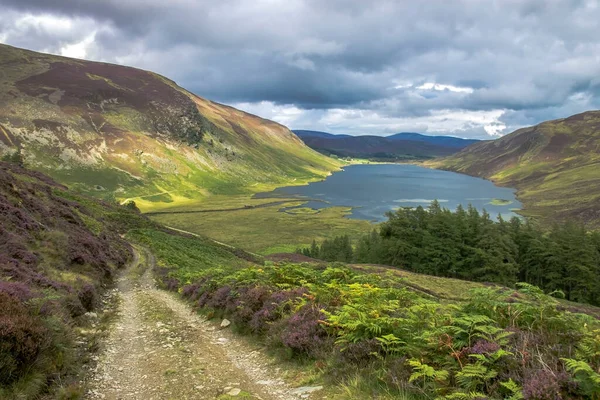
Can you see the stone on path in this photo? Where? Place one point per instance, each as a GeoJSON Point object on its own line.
{"type": "Point", "coordinates": [225, 323]}
{"type": "Point", "coordinates": [233, 392]}
{"type": "Point", "coordinates": [304, 390]}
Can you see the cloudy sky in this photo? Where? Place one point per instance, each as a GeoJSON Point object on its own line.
{"type": "Point", "coordinates": [464, 68]}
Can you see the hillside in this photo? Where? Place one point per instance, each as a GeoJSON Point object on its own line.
{"type": "Point", "coordinates": [447, 141]}
{"type": "Point", "coordinates": [110, 130]}
{"type": "Point", "coordinates": [554, 165]}
{"type": "Point", "coordinates": [402, 146]}
{"type": "Point", "coordinates": [384, 333]}
{"type": "Point", "coordinates": [57, 253]}
{"type": "Point", "coordinates": [305, 133]}
{"type": "Point", "coordinates": [60, 251]}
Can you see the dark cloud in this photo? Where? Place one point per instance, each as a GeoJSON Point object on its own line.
{"type": "Point", "coordinates": [530, 59]}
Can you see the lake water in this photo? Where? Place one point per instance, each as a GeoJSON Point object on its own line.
{"type": "Point", "coordinates": [372, 190]}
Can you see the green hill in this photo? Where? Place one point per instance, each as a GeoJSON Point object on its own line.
{"type": "Point", "coordinates": [60, 251]}
{"type": "Point", "coordinates": [554, 165]}
{"type": "Point", "coordinates": [115, 131]}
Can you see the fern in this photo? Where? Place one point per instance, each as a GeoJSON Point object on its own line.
{"type": "Point", "coordinates": [589, 348]}
{"type": "Point", "coordinates": [516, 392]}
{"type": "Point", "coordinates": [464, 396]}
{"type": "Point", "coordinates": [585, 376]}
{"type": "Point", "coordinates": [491, 358]}
{"type": "Point", "coordinates": [426, 373]}
{"type": "Point", "coordinates": [474, 376]}
{"type": "Point", "coordinates": [391, 344]}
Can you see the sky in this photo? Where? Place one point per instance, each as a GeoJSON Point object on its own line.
{"type": "Point", "coordinates": [467, 68]}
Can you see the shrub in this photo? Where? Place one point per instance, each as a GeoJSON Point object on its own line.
{"type": "Point", "coordinates": [74, 306]}
{"type": "Point", "coordinates": [249, 301]}
{"type": "Point", "coordinates": [18, 290]}
{"type": "Point", "coordinates": [22, 337]}
{"type": "Point", "coordinates": [275, 307]}
{"type": "Point", "coordinates": [303, 332]}
{"type": "Point", "coordinates": [547, 385]}
{"type": "Point", "coordinates": [87, 296]}
{"type": "Point", "coordinates": [360, 353]}
{"type": "Point", "coordinates": [219, 299]}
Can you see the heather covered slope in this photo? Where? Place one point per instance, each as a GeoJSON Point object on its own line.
{"type": "Point", "coordinates": [117, 131]}
{"type": "Point", "coordinates": [554, 165]}
{"type": "Point", "coordinates": [57, 253]}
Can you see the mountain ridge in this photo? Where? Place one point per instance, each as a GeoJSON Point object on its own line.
{"type": "Point", "coordinates": [116, 131]}
{"type": "Point", "coordinates": [554, 166]}
{"type": "Point", "coordinates": [400, 146]}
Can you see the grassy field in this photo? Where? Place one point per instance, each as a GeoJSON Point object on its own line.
{"type": "Point", "coordinates": [261, 229]}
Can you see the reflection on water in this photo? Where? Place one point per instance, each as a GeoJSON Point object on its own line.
{"type": "Point", "coordinates": [372, 190]}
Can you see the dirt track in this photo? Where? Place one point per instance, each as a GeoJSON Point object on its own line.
{"type": "Point", "coordinates": [160, 349]}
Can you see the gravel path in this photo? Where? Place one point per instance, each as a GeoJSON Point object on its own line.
{"type": "Point", "coordinates": [160, 349]}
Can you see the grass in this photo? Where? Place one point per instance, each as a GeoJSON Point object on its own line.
{"type": "Point", "coordinates": [500, 202]}
{"type": "Point", "coordinates": [263, 230]}
{"type": "Point", "coordinates": [554, 166]}
{"type": "Point", "coordinates": [381, 318]}
{"type": "Point", "coordinates": [62, 268]}
{"type": "Point", "coordinates": [189, 254]}
{"type": "Point", "coordinates": [440, 288]}
{"type": "Point", "coordinates": [126, 153]}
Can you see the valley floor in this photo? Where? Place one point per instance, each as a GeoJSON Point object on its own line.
{"type": "Point", "coordinates": [161, 349]}
{"type": "Point", "coordinates": [259, 225]}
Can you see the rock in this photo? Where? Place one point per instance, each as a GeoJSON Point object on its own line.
{"type": "Point", "coordinates": [304, 390]}
{"type": "Point", "coordinates": [225, 323]}
{"type": "Point", "coordinates": [234, 392]}
{"type": "Point", "coordinates": [91, 315]}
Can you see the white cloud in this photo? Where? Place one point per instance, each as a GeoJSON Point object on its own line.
{"type": "Point", "coordinates": [286, 115]}
{"type": "Point", "coordinates": [354, 121]}
{"type": "Point", "coordinates": [441, 87]}
{"type": "Point", "coordinates": [348, 66]}
{"type": "Point", "coordinates": [79, 49]}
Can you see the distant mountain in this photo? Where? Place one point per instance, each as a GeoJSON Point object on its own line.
{"type": "Point", "coordinates": [554, 165]}
{"type": "Point", "coordinates": [115, 131]}
{"type": "Point", "coordinates": [447, 141]}
{"type": "Point", "coordinates": [401, 146]}
{"type": "Point", "coordinates": [303, 134]}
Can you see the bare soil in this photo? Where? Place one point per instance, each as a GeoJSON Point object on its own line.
{"type": "Point", "coordinates": [160, 349]}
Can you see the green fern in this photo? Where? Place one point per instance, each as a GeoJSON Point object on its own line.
{"type": "Point", "coordinates": [391, 344]}
{"type": "Point", "coordinates": [425, 373]}
{"type": "Point", "coordinates": [464, 396]}
{"type": "Point", "coordinates": [490, 359]}
{"type": "Point", "coordinates": [516, 391]}
{"type": "Point", "coordinates": [474, 376]}
{"type": "Point", "coordinates": [589, 348]}
{"type": "Point", "coordinates": [585, 376]}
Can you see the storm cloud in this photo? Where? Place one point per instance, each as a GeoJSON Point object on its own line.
{"type": "Point", "coordinates": [465, 68]}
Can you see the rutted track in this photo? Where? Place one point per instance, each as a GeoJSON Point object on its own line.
{"type": "Point", "coordinates": [161, 349]}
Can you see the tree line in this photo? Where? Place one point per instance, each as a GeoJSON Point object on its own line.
{"type": "Point", "coordinates": [468, 244]}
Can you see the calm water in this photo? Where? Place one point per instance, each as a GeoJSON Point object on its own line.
{"type": "Point", "coordinates": [374, 189]}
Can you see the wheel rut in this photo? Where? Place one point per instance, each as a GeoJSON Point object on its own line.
{"type": "Point", "coordinates": [160, 349]}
